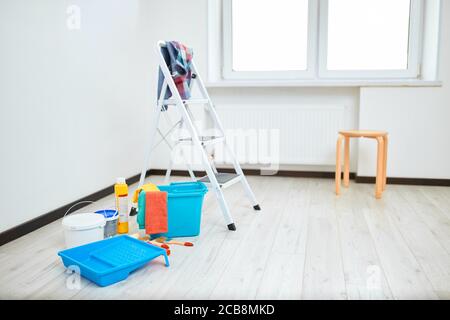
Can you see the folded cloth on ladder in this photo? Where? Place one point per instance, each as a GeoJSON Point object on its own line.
{"type": "Point", "coordinates": [156, 212]}
{"type": "Point", "coordinates": [178, 58]}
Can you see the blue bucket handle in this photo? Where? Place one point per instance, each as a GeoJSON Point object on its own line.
{"type": "Point", "coordinates": [110, 208]}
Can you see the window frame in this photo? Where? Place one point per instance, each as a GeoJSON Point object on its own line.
{"type": "Point", "coordinates": [317, 50]}
{"type": "Point", "coordinates": [309, 73]}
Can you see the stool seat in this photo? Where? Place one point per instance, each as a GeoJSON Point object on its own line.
{"type": "Point", "coordinates": [363, 133]}
{"type": "Point", "coordinates": [382, 141]}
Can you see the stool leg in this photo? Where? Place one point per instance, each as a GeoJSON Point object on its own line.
{"type": "Point", "coordinates": [338, 164]}
{"type": "Point", "coordinates": [385, 161]}
{"type": "Point", "coordinates": [347, 161]}
{"type": "Point", "coordinates": [380, 161]}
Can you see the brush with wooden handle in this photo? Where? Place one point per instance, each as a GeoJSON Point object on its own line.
{"type": "Point", "coordinates": [178, 243]}
{"type": "Point", "coordinates": [155, 243]}
{"type": "Point", "coordinates": [159, 244]}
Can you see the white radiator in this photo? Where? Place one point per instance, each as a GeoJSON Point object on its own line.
{"type": "Point", "coordinates": [307, 134]}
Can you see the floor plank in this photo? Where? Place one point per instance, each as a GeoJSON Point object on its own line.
{"type": "Point", "coordinates": [243, 275]}
{"type": "Point", "coordinates": [323, 273]}
{"type": "Point", "coordinates": [423, 243]}
{"type": "Point", "coordinates": [364, 277]}
{"type": "Point", "coordinates": [283, 272]}
{"type": "Point", "coordinates": [436, 220]}
{"type": "Point", "coordinates": [406, 278]}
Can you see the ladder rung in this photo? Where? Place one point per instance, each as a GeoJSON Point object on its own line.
{"type": "Point", "coordinates": [190, 101]}
{"type": "Point", "coordinates": [205, 140]}
{"type": "Point", "coordinates": [224, 179]}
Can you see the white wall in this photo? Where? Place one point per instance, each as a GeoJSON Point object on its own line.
{"type": "Point", "coordinates": [417, 119]}
{"type": "Point", "coordinates": [72, 102]}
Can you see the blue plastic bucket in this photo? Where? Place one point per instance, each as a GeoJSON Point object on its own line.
{"type": "Point", "coordinates": [111, 217]}
{"type": "Point", "coordinates": [185, 200]}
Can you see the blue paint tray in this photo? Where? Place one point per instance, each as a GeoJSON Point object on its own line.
{"type": "Point", "coordinates": [109, 261]}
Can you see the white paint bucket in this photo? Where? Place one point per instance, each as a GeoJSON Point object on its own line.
{"type": "Point", "coordinates": [83, 228]}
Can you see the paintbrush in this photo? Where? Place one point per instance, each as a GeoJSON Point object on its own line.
{"type": "Point", "coordinates": [153, 242]}
{"type": "Point", "coordinates": [159, 244]}
{"type": "Point", "coordinates": [178, 243]}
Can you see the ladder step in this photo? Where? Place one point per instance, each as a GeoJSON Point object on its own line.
{"type": "Point", "coordinates": [189, 101]}
{"type": "Point", "coordinates": [205, 140]}
{"type": "Point", "coordinates": [224, 179]}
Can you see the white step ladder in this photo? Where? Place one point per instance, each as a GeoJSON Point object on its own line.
{"type": "Point", "coordinates": [217, 181]}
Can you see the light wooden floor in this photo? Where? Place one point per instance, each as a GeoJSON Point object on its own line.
{"type": "Point", "coordinates": [306, 243]}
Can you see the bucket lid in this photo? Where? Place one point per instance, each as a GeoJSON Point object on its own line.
{"type": "Point", "coordinates": [83, 221]}
{"type": "Point", "coordinates": [108, 213]}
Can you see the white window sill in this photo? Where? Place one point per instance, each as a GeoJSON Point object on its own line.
{"type": "Point", "coordinates": [322, 83]}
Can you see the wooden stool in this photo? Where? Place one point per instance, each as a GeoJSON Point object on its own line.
{"type": "Point", "coordinates": [382, 140]}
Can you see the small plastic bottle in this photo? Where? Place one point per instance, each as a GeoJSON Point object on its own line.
{"type": "Point", "coordinates": [121, 193]}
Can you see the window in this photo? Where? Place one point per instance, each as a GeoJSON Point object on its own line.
{"type": "Point", "coordinates": [277, 22]}
{"type": "Point", "coordinates": [314, 39]}
{"type": "Point", "coordinates": [279, 30]}
{"type": "Point", "coordinates": [369, 39]}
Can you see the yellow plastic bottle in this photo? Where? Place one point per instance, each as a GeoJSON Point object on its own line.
{"type": "Point", "coordinates": [121, 193]}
